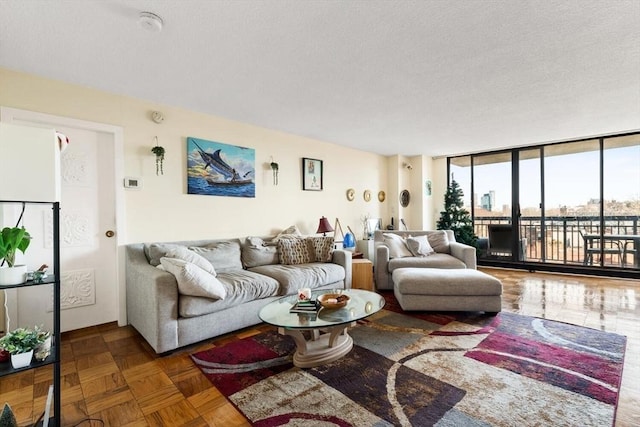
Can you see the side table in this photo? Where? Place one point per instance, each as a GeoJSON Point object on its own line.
{"type": "Point", "coordinates": [362, 274]}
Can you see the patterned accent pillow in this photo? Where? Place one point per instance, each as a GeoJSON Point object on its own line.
{"type": "Point", "coordinates": [322, 248]}
{"type": "Point", "coordinates": [294, 251]}
{"type": "Point", "coordinates": [419, 246]}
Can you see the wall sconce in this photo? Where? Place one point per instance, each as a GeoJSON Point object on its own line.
{"type": "Point", "coordinates": [274, 169]}
{"type": "Point", "coordinates": [407, 166]}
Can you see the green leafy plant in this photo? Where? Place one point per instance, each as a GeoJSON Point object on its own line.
{"type": "Point", "coordinates": [159, 152]}
{"type": "Point", "coordinates": [13, 239]}
{"type": "Point", "coordinates": [22, 340]}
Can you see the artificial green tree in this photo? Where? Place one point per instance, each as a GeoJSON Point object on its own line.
{"type": "Point", "coordinates": [455, 217]}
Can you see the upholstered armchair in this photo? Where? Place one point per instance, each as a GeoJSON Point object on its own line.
{"type": "Point", "coordinates": [446, 253]}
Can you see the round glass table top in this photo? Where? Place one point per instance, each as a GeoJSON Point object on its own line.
{"type": "Point", "coordinates": [361, 304]}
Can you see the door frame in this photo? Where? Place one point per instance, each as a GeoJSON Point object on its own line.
{"type": "Point", "coordinates": [8, 114]}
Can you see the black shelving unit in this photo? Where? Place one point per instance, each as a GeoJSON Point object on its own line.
{"type": "Point", "coordinates": [52, 280]}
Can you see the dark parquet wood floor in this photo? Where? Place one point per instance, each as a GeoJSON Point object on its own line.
{"type": "Point", "coordinates": [111, 374]}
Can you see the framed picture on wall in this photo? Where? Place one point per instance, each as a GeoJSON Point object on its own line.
{"type": "Point", "coordinates": [218, 169]}
{"type": "Point", "coordinates": [311, 174]}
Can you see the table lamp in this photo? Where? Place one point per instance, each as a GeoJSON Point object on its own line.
{"type": "Point", "coordinates": [324, 227]}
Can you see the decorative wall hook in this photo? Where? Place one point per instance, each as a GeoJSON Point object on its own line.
{"type": "Point", "coordinates": [274, 169]}
{"type": "Point", "coordinates": [159, 152]}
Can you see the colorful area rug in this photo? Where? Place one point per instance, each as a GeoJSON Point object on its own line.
{"type": "Point", "coordinates": [444, 370]}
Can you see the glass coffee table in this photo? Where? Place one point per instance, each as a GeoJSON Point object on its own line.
{"type": "Point", "coordinates": [326, 337]}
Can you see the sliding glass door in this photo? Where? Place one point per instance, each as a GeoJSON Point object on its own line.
{"type": "Point", "coordinates": [621, 195]}
{"type": "Point", "coordinates": [492, 204]}
{"type": "Point", "coordinates": [574, 204]}
{"type": "Point", "coordinates": [532, 231]}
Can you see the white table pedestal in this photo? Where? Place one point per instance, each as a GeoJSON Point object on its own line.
{"type": "Point", "coordinates": [324, 345]}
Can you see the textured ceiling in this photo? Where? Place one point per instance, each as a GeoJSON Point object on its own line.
{"type": "Point", "coordinates": [390, 77]}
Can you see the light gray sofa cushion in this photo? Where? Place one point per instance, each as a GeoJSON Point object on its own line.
{"type": "Point", "coordinates": [241, 286]}
{"type": "Point", "coordinates": [224, 255]}
{"type": "Point", "coordinates": [257, 251]}
{"type": "Point", "coordinates": [434, 260]}
{"type": "Point", "coordinates": [437, 281]}
{"type": "Point", "coordinates": [439, 241]}
{"type": "Point", "coordinates": [155, 251]}
{"type": "Point", "coordinates": [292, 278]}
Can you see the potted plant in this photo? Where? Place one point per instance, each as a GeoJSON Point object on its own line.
{"type": "Point", "coordinates": [21, 343]}
{"type": "Point", "coordinates": [13, 239]}
{"type": "Point", "coordinates": [159, 152]}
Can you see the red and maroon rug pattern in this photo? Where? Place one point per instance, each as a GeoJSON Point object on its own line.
{"type": "Point", "coordinates": [426, 369]}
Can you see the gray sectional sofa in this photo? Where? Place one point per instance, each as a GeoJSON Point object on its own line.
{"type": "Point", "coordinates": [248, 271]}
{"type": "Point", "coordinates": [448, 254]}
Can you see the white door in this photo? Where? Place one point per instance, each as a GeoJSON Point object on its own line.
{"type": "Point", "coordinates": [91, 289]}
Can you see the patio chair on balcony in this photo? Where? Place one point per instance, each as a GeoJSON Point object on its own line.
{"type": "Point", "coordinates": [629, 249]}
{"type": "Point", "coordinates": [499, 242]}
{"type": "Point", "coordinates": [592, 245]}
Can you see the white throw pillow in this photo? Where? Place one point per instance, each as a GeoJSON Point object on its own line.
{"type": "Point", "coordinates": [419, 246]}
{"type": "Point", "coordinates": [397, 246]}
{"type": "Point", "coordinates": [291, 232]}
{"type": "Point", "coordinates": [187, 255]}
{"type": "Point", "coordinates": [193, 280]}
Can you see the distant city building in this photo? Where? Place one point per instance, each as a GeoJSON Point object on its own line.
{"type": "Point", "coordinates": [488, 200]}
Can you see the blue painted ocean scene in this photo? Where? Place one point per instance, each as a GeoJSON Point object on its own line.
{"type": "Point", "coordinates": [218, 169]}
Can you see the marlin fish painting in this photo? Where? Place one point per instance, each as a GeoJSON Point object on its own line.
{"type": "Point", "coordinates": [209, 173]}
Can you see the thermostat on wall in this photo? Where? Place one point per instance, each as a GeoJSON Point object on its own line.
{"type": "Point", "coordinates": [132, 183]}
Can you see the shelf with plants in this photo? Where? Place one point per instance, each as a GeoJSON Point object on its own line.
{"type": "Point", "coordinates": [32, 344]}
{"type": "Point", "coordinates": [9, 245]}
{"type": "Point", "coordinates": [49, 280]}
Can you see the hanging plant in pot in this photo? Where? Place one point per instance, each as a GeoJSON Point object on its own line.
{"type": "Point", "coordinates": [159, 151]}
{"type": "Point", "coordinates": [12, 239]}
{"type": "Point", "coordinates": [21, 343]}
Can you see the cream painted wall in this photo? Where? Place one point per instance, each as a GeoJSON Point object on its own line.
{"type": "Point", "coordinates": [439, 187]}
{"type": "Point", "coordinates": [418, 215]}
{"type": "Point", "coordinates": [162, 210]}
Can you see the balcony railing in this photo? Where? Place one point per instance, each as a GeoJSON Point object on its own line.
{"type": "Point", "coordinates": [560, 239]}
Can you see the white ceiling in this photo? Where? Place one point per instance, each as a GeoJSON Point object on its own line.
{"type": "Point", "coordinates": [391, 77]}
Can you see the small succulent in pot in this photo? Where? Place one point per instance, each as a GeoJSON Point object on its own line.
{"type": "Point", "coordinates": [23, 340]}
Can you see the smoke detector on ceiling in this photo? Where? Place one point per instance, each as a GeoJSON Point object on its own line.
{"type": "Point", "coordinates": [150, 22]}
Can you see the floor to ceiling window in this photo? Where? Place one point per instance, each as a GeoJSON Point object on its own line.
{"type": "Point", "coordinates": [573, 205]}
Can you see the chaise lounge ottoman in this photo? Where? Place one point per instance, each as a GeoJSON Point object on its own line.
{"type": "Point", "coordinates": [437, 289]}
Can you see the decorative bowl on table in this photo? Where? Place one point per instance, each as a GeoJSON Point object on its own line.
{"type": "Point", "coordinates": [333, 300]}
